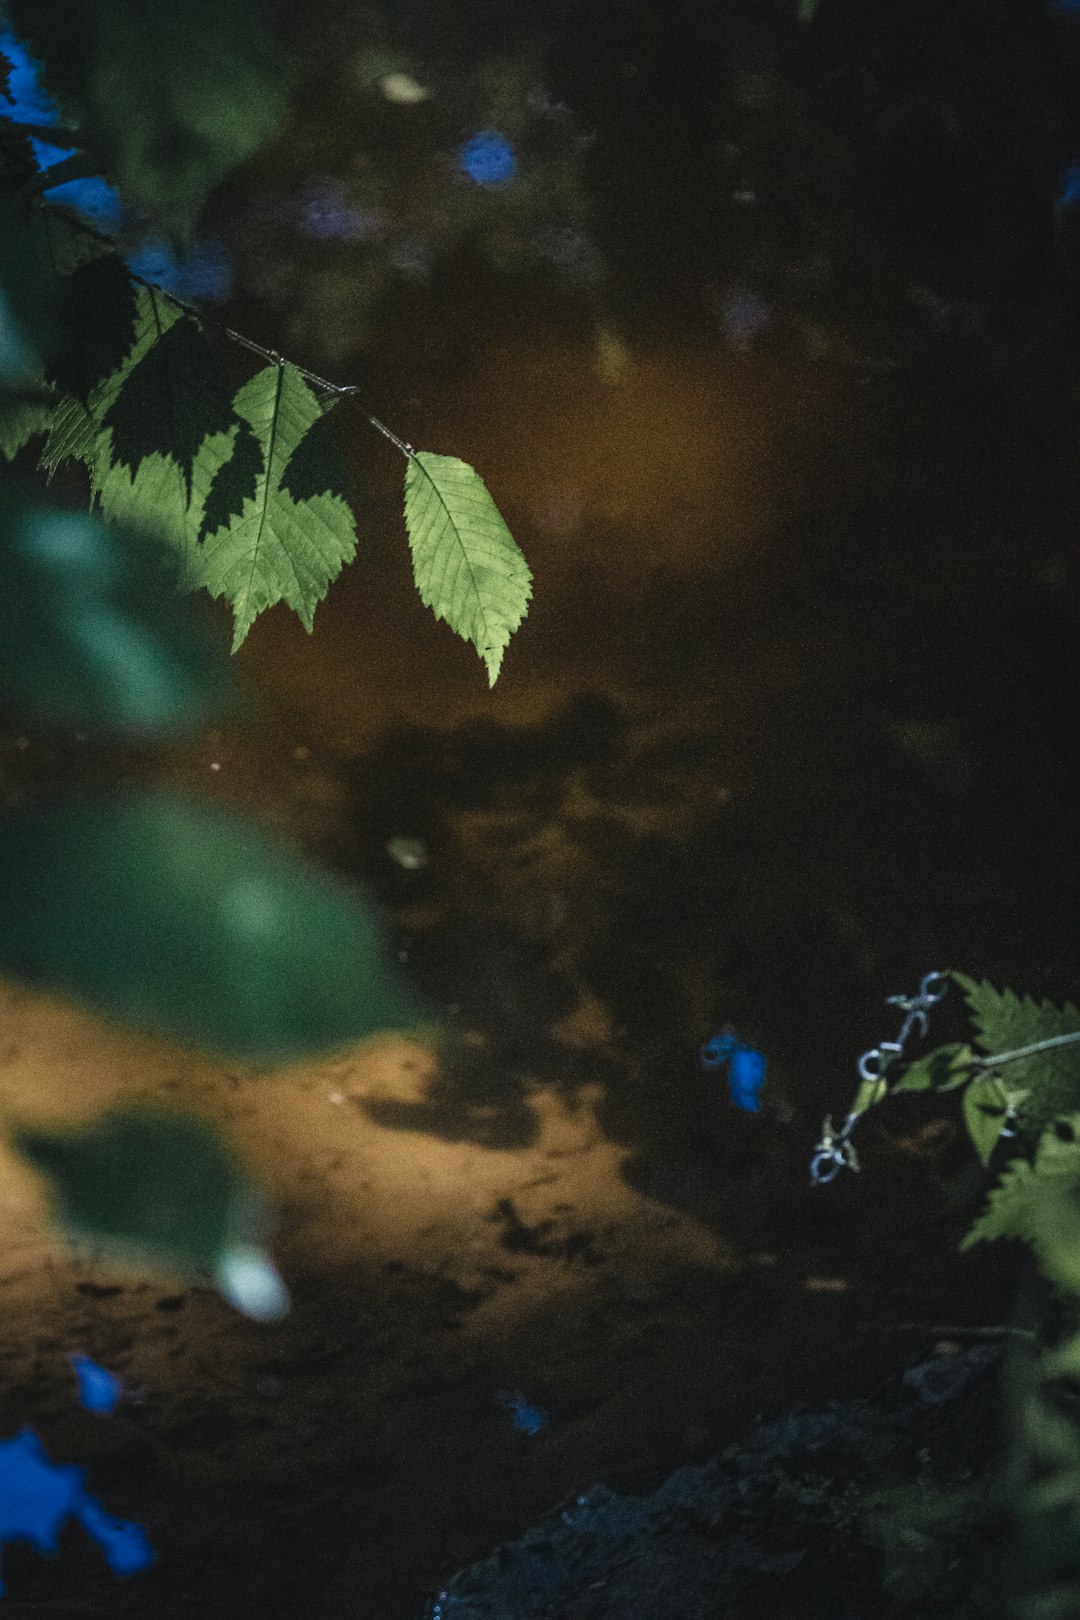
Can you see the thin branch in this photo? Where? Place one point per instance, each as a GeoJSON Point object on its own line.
{"type": "Point", "coordinates": [1026, 1051]}
{"type": "Point", "coordinates": [271, 356]}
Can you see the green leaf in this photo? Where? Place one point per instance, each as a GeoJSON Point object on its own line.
{"type": "Point", "coordinates": [186, 919]}
{"type": "Point", "coordinates": [98, 309]}
{"type": "Point", "coordinates": [985, 1106]}
{"type": "Point", "coordinates": [1039, 1203]}
{"type": "Point", "coordinates": [466, 564]}
{"type": "Point", "coordinates": [72, 435]}
{"type": "Point", "coordinates": [940, 1070]}
{"type": "Point", "coordinates": [169, 96]}
{"type": "Point", "coordinates": [76, 427]}
{"type": "Point", "coordinates": [156, 1186]}
{"type": "Point", "coordinates": [235, 482]}
{"type": "Point", "coordinates": [170, 401]}
{"type": "Point", "coordinates": [146, 1182]}
{"type": "Point", "coordinates": [28, 308]}
{"type": "Point", "coordinates": [92, 632]}
{"type": "Point", "coordinates": [1004, 1021]}
{"type": "Point", "coordinates": [279, 549]}
{"type": "Point", "coordinates": [21, 418]}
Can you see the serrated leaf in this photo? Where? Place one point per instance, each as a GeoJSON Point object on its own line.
{"type": "Point", "coordinates": [1007, 1210]}
{"type": "Point", "coordinates": [170, 401]}
{"type": "Point", "coordinates": [941, 1070]}
{"type": "Point", "coordinates": [279, 549]}
{"type": "Point", "coordinates": [985, 1109]}
{"type": "Point", "coordinates": [1004, 1022]}
{"type": "Point", "coordinates": [466, 564]}
{"type": "Point", "coordinates": [97, 314]}
{"type": "Point", "coordinates": [169, 96]}
{"type": "Point", "coordinates": [186, 919]}
{"type": "Point", "coordinates": [234, 483]}
{"type": "Point", "coordinates": [157, 496]}
{"type": "Point", "coordinates": [92, 632]}
{"type": "Point", "coordinates": [22, 417]}
{"type": "Point", "coordinates": [76, 429]}
{"type": "Point", "coordinates": [71, 435]}
{"type": "Point", "coordinates": [1039, 1204]}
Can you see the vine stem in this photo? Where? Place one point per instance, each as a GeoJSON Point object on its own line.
{"type": "Point", "coordinates": [1027, 1051]}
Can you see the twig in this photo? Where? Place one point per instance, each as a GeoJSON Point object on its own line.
{"type": "Point", "coordinates": [1026, 1051]}
{"type": "Point", "coordinates": [948, 1330]}
{"type": "Point", "coordinates": [271, 356]}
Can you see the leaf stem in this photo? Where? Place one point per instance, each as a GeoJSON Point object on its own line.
{"type": "Point", "coordinates": [1027, 1051]}
{"type": "Point", "coordinates": [271, 356]}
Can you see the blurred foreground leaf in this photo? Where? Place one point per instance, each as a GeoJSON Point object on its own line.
{"type": "Point", "coordinates": [169, 96]}
{"type": "Point", "coordinates": [92, 632]}
{"type": "Point", "coordinates": [184, 918]}
{"type": "Point", "coordinates": [154, 1185]}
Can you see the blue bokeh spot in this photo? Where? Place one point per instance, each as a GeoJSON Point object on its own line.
{"type": "Point", "coordinates": [99, 1389]}
{"type": "Point", "coordinates": [488, 158]}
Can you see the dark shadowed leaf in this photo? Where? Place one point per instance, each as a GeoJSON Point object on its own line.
{"type": "Point", "coordinates": [185, 918]}
{"type": "Point", "coordinates": [170, 402]}
{"type": "Point", "coordinates": [234, 483]}
{"type": "Point", "coordinates": [315, 468]}
{"type": "Point", "coordinates": [97, 307]}
{"type": "Point", "coordinates": [93, 633]}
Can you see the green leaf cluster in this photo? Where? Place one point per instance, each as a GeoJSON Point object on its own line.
{"type": "Point", "coordinates": [1044, 1085]}
{"type": "Point", "coordinates": [249, 487]}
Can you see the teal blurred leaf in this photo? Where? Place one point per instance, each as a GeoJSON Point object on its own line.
{"type": "Point", "coordinates": [148, 1184]}
{"type": "Point", "coordinates": [168, 94]}
{"type": "Point", "coordinates": [466, 564]}
{"type": "Point", "coordinates": [184, 918]}
{"type": "Point", "coordinates": [22, 417]}
{"type": "Point", "coordinates": [93, 633]}
{"type": "Point", "coordinates": [28, 298]}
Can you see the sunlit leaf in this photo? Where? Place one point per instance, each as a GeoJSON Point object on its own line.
{"type": "Point", "coordinates": [169, 96]}
{"type": "Point", "coordinates": [184, 918]}
{"type": "Point", "coordinates": [466, 564]}
{"type": "Point", "coordinates": [279, 548]}
{"type": "Point", "coordinates": [940, 1070]}
{"type": "Point", "coordinates": [92, 631]}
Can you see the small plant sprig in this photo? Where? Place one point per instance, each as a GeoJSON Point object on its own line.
{"type": "Point", "coordinates": [1036, 1038]}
